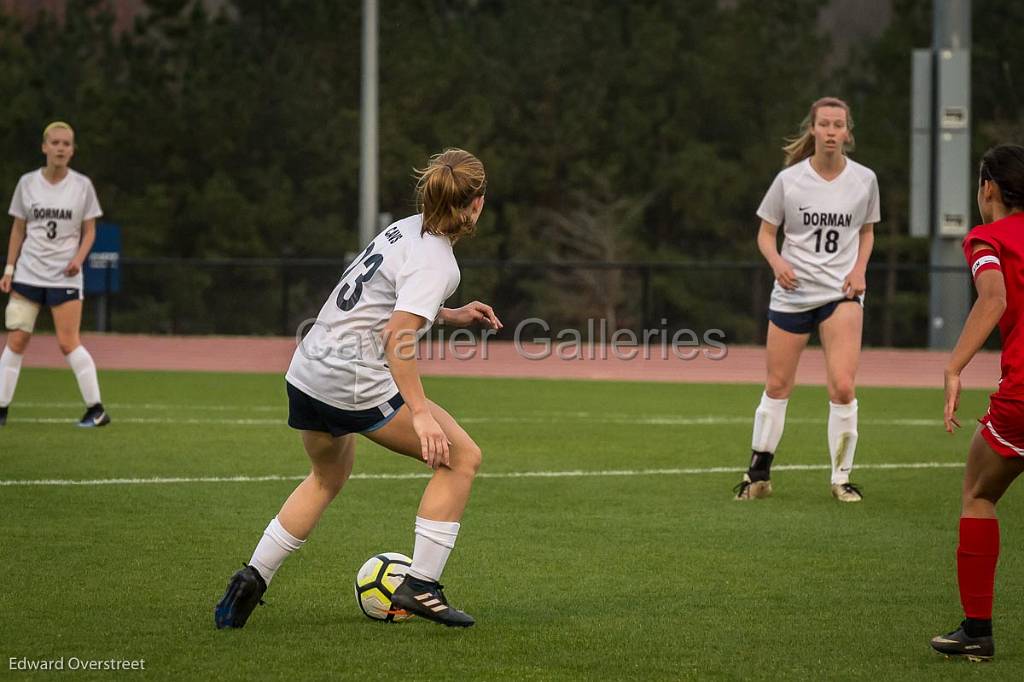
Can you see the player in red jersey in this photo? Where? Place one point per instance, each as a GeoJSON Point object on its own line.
{"type": "Point", "coordinates": [995, 252]}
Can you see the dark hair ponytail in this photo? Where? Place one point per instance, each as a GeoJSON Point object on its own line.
{"type": "Point", "coordinates": [1004, 165]}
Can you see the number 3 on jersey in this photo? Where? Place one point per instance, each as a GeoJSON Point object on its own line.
{"type": "Point", "coordinates": [831, 241]}
{"type": "Point", "coordinates": [372, 262]}
{"type": "Point", "coordinates": [51, 229]}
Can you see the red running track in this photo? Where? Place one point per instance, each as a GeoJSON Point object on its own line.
{"type": "Point", "coordinates": [742, 364]}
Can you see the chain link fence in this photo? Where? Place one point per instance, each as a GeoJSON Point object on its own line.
{"type": "Point", "coordinates": [234, 296]}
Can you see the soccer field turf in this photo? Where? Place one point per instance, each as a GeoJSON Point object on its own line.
{"type": "Point", "coordinates": [633, 562]}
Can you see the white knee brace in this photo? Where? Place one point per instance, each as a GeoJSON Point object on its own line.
{"type": "Point", "coordinates": [21, 314]}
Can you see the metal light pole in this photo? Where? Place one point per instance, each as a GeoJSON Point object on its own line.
{"type": "Point", "coordinates": [941, 194]}
{"type": "Point", "coordinates": [368, 127]}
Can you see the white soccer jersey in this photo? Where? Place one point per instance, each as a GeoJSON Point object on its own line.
{"type": "Point", "coordinates": [53, 216]}
{"type": "Point", "coordinates": [341, 360]}
{"type": "Point", "coordinates": [821, 223]}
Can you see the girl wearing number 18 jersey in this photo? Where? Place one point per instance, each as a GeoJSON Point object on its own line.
{"type": "Point", "coordinates": [827, 205]}
{"type": "Point", "coordinates": [355, 372]}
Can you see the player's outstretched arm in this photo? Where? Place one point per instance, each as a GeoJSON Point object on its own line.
{"type": "Point", "coordinates": [470, 313]}
{"type": "Point", "coordinates": [400, 346]}
{"type": "Point", "coordinates": [982, 320]}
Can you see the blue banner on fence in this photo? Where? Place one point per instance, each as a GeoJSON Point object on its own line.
{"type": "Point", "coordinates": [103, 265]}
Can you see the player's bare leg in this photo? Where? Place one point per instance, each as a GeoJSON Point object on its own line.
{"type": "Point", "coordinates": [841, 340]}
{"type": "Point", "coordinates": [987, 477]}
{"type": "Point", "coordinates": [67, 320]}
{"type": "Point", "coordinates": [14, 350]}
{"type": "Point", "coordinates": [17, 340]}
{"type": "Point", "coordinates": [331, 459]}
{"type": "Point", "coordinates": [441, 507]}
{"type": "Point", "coordinates": [10, 368]}
{"type": "Point", "coordinates": [448, 491]}
{"type": "Point", "coordinates": [782, 356]}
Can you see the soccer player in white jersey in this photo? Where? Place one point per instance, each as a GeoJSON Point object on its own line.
{"type": "Point", "coordinates": [355, 372]}
{"type": "Point", "coordinates": [827, 205]}
{"type": "Point", "coordinates": [55, 211]}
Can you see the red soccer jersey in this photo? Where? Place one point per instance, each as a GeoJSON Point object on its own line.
{"type": "Point", "coordinates": [1006, 237]}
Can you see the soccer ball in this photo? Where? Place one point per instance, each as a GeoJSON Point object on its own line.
{"type": "Point", "coordinates": [377, 580]}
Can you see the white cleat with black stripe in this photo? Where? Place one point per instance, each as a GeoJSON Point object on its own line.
{"type": "Point", "coordinates": [426, 599]}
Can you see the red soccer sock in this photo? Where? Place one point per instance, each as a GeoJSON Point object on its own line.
{"type": "Point", "coordinates": [976, 558]}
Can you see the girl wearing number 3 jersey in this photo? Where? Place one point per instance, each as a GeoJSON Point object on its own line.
{"type": "Point", "coordinates": [55, 211]}
{"type": "Point", "coordinates": [355, 372]}
{"type": "Point", "coordinates": [827, 205]}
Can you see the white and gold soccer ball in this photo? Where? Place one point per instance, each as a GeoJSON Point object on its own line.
{"type": "Point", "coordinates": [376, 581]}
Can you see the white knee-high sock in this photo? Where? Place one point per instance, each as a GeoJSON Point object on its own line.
{"type": "Point", "coordinates": [434, 543]}
{"type": "Point", "coordinates": [274, 547]}
{"type": "Point", "coordinates": [842, 439]}
{"type": "Point", "coordinates": [10, 368]}
{"type": "Point", "coordinates": [85, 372]}
{"type": "Point", "coordinates": [769, 420]}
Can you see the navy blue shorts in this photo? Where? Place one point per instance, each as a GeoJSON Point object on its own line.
{"type": "Point", "coordinates": [807, 321]}
{"type": "Point", "coordinates": [306, 413]}
{"type": "Point", "coordinates": [49, 296]}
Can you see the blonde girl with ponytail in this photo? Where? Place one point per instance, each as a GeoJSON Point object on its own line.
{"type": "Point", "coordinates": [54, 210]}
{"type": "Point", "coordinates": [827, 205]}
{"type": "Point", "coordinates": [355, 371]}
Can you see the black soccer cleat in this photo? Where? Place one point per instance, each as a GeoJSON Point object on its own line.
{"type": "Point", "coordinates": [958, 643]}
{"type": "Point", "coordinates": [3, 416]}
{"type": "Point", "coordinates": [244, 593]}
{"type": "Point", "coordinates": [425, 598]}
{"type": "Point", "coordinates": [94, 417]}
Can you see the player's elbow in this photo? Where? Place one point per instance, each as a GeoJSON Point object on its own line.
{"type": "Point", "coordinates": [994, 302]}
{"type": "Point", "coordinates": [400, 344]}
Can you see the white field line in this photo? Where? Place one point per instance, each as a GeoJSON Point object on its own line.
{"type": "Point", "coordinates": [154, 420]}
{"type": "Point", "coordinates": [573, 473]}
{"type": "Point", "coordinates": [161, 406]}
{"type": "Point", "coordinates": [550, 418]}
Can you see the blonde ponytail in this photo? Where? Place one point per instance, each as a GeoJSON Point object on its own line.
{"type": "Point", "coordinates": [444, 191]}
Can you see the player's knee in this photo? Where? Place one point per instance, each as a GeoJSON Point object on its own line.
{"type": "Point", "coordinates": [979, 501]}
{"type": "Point", "coordinates": [331, 479]}
{"type": "Point", "coordinates": [977, 506]}
{"type": "Point", "coordinates": [67, 346]}
{"type": "Point", "coordinates": [468, 459]}
{"type": "Point", "coordinates": [843, 392]}
{"type": "Point", "coordinates": [778, 388]}
{"type": "Point", "coordinates": [18, 342]}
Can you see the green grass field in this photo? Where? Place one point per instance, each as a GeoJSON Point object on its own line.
{"type": "Point", "coordinates": [643, 574]}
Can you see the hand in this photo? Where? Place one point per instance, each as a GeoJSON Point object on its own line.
{"type": "Point", "coordinates": [73, 268]}
{"type": "Point", "coordinates": [433, 443]}
{"type": "Point", "coordinates": [473, 312]}
{"type": "Point", "coordinates": [5, 283]}
{"type": "Point", "coordinates": [952, 382]}
{"type": "Point", "coordinates": [785, 275]}
{"type": "Point", "coordinates": [855, 284]}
